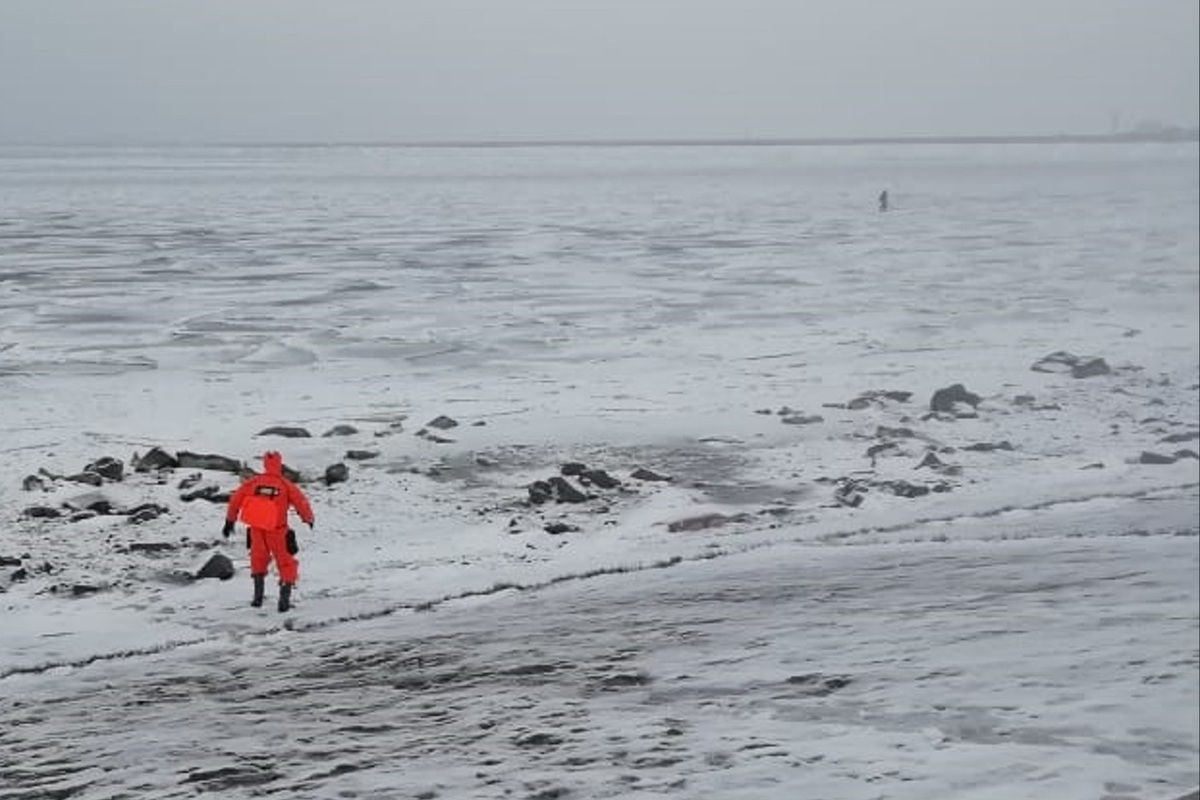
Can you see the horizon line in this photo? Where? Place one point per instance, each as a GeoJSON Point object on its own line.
{"type": "Point", "coordinates": [1170, 135]}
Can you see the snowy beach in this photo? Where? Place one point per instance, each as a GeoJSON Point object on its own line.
{"type": "Point", "coordinates": [796, 567]}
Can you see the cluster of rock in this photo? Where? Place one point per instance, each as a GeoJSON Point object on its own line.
{"type": "Point", "coordinates": [577, 483]}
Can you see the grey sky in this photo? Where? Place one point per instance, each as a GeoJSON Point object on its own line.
{"type": "Point", "coordinates": [309, 70]}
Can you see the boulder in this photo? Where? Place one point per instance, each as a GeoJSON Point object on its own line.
{"type": "Point", "coordinates": [945, 400]}
{"type": "Point", "coordinates": [108, 468]}
{"type": "Point", "coordinates": [286, 431]}
{"type": "Point", "coordinates": [217, 463]}
{"type": "Point", "coordinates": [219, 566]}
{"type": "Point", "coordinates": [336, 473]}
{"type": "Point", "coordinates": [598, 478]}
{"type": "Point", "coordinates": [340, 430]}
{"type": "Point", "coordinates": [155, 459]}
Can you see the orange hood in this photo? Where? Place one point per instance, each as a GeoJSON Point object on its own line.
{"type": "Point", "coordinates": [272, 463]}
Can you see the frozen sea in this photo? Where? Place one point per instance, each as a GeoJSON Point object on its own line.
{"type": "Point", "coordinates": [838, 593]}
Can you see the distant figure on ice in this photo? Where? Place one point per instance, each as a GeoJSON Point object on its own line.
{"type": "Point", "coordinates": [883, 200]}
{"type": "Point", "coordinates": [262, 502]}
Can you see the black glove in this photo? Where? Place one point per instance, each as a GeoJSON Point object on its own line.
{"type": "Point", "coordinates": [309, 524]}
{"type": "Point", "coordinates": [228, 529]}
{"type": "Point", "coordinates": [290, 541]}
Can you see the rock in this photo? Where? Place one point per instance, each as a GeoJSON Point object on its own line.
{"type": "Point", "coordinates": [219, 566]}
{"type": "Point", "coordinates": [850, 493]}
{"type": "Point", "coordinates": [1090, 368]}
{"type": "Point", "coordinates": [931, 460]}
{"type": "Point", "coordinates": [209, 491]}
{"type": "Point", "coordinates": [82, 589]}
{"type": "Point", "coordinates": [1078, 366]}
{"type": "Point", "coordinates": [565, 492]}
{"type": "Point", "coordinates": [1058, 361]}
{"type": "Point", "coordinates": [905, 489]}
{"type": "Point", "coordinates": [556, 528]}
{"type": "Point", "coordinates": [145, 512]}
{"type": "Point", "coordinates": [1174, 438]}
{"type": "Point", "coordinates": [340, 430]}
{"type": "Point", "coordinates": [945, 400]}
{"type": "Point", "coordinates": [361, 455]}
{"type": "Point", "coordinates": [801, 419]}
{"type": "Point", "coordinates": [433, 437]}
{"type": "Point", "coordinates": [33, 483]}
{"type": "Point", "coordinates": [988, 447]}
{"type": "Point", "coordinates": [19, 575]}
{"type": "Point", "coordinates": [540, 492]}
{"type": "Point", "coordinates": [88, 478]}
{"type": "Point", "coordinates": [41, 512]}
{"type": "Point", "coordinates": [155, 459]}
{"type": "Point", "coordinates": [1187, 454]}
{"type": "Point", "coordinates": [598, 478]}
{"type": "Point", "coordinates": [108, 468]}
{"type": "Point", "coordinates": [572, 468]}
{"type": "Point", "coordinates": [871, 398]}
{"type": "Point", "coordinates": [9, 561]}
{"type": "Point", "coordinates": [1148, 457]}
{"type": "Point", "coordinates": [882, 447]}
{"type": "Point", "coordinates": [442, 423]}
{"type": "Point", "coordinates": [217, 463]}
{"type": "Point", "coordinates": [286, 431]}
{"type": "Point", "coordinates": [643, 474]}
{"type": "Point", "coordinates": [336, 473]}
{"type": "Point", "coordinates": [102, 506]}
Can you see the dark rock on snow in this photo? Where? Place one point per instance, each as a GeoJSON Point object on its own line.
{"type": "Point", "coordinates": [336, 473]}
{"type": "Point", "coordinates": [1078, 366]}
{"type": "Point", "coordinates": [643, 474]}
{"type": "Point", "coordinates": [540, 492]}
{"type": "Point", "coordinates": [217, 463]}
{"type": "Point", "coordinates": [565, 492]}
{"type": "Point", "coordinates": [598, 478]}
{"type": "Point", "coordinates": [988, 447]}
{"type": "Point", "coordinates": [41, 512]}
{"type": "Point", "coordinates": [801, 419]}
{"type": "Point", "coordinates": [155, 459]}
{"type": "Point", "coordinates": [361, 455]}
{"type": "Point", "coordinates": [108, 468]}
{"type": "Point", "coordinates": [945, 400]}
{"type": "Point", "coordinates": [145, 512]}
{"type": "Point", "coordinates": [442, 423]}
{"type": "Point", "coordinates": [87, 478]}
{"type": "Point", "coordinates": [32, 483]}
{"type": "Point", "coordinates": [286, 431]}
{"type": "Point", "coordinates": [218, 566]}
{"type": "Point", "coordinates": [340, 430]}
{"type": "Point", "coordinates": [209, 491]}
{"type": "Point", "coordinates": [1148, 457]}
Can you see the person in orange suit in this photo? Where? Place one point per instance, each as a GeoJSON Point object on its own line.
{"type": "Point", "coordinates": [262, 503]}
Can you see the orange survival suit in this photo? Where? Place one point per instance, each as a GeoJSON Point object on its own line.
{"type": "Point", "coordinates": [262, 502]}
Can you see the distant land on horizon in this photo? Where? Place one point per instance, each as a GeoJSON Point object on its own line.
{"type": "Point", "coordinates": [1152, 136]}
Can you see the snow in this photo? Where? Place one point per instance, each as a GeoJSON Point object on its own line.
{"type": "Point", "coordinates": [1029, 632]}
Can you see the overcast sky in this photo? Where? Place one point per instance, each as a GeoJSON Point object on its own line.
{"type": "Point", "coordinates": [410, 70]}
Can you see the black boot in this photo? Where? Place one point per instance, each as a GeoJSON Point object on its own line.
{"type": "Point", "coordinates": [285, 596]}
{"type": "Point", "coordinates": [258, 590]}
